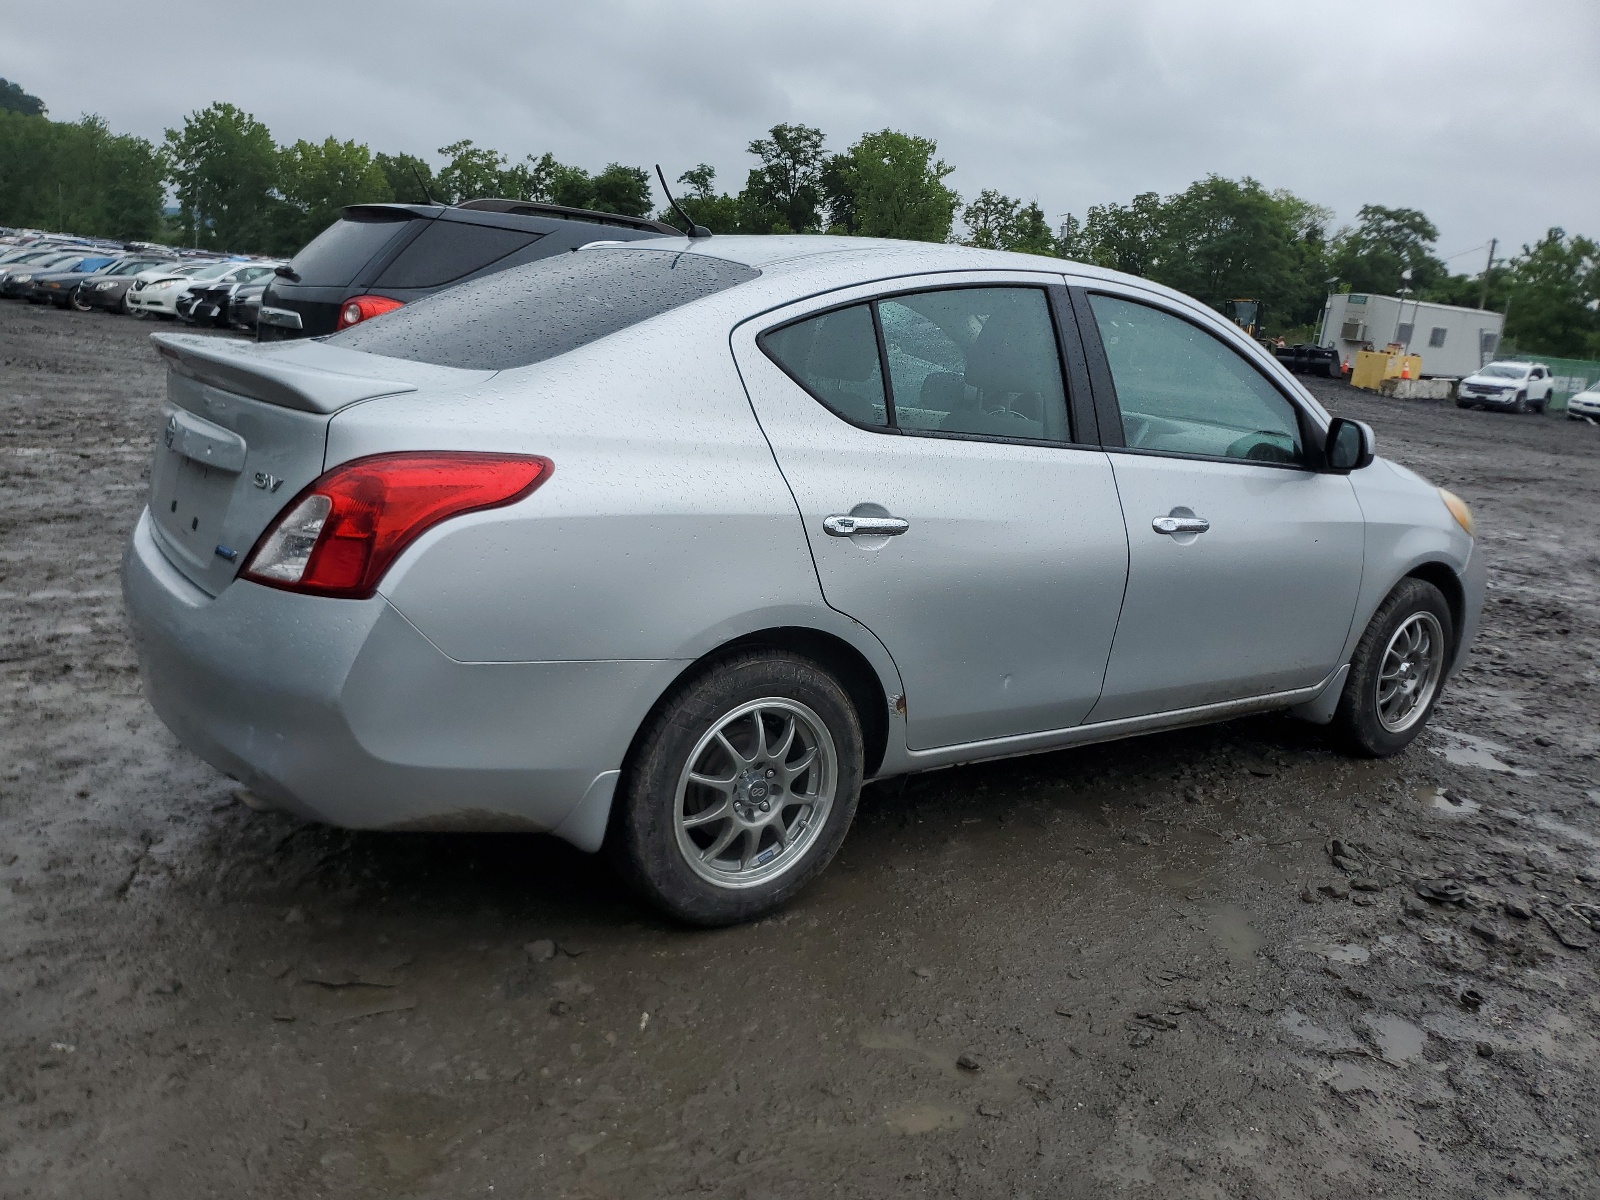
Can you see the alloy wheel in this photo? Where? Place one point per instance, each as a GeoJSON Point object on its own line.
{"type": "Point", "coordinates": [755, 793]}
{"type": "Point", "coordinates": [1409, 674]}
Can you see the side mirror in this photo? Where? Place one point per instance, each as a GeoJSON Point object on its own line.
{"type": "Point", "coordinates": [1349, 446]}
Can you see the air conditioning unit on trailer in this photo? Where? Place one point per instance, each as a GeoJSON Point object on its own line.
{"type": "Point", "coordinates": [1353, 331]}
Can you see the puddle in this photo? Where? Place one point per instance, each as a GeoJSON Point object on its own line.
{"type": "Point", "coordinates": [1230, 925]}
{"type": "Point", "coordinates": [1347, 952]}
{"type": "Point", "coordinates": [1398, 1040]}
{"type": "Point", "coordinates": [925, 1118]}
{"type": "Point", "coordinates": [1464, 750]}
{"type": "Point", "coordinates": [1302, 1027]}
{"type": "Point", "coordinates": [1444, 800]}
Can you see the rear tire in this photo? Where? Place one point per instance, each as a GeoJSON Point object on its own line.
{"type": "Point", "coordinates": [1397, 672]}
{"type": "Point", "coordinates": [688, 829]}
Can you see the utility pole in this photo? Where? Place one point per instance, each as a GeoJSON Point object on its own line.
{"type": "Point", "coordinates": [1484, 302]}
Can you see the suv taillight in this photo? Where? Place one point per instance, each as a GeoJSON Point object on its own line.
{"type": "Point", "coordinates": [363, 308]}
{"type": "Point", "coordinates": [339, 536]}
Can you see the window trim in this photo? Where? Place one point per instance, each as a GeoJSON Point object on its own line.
{"type": "Point", "coordinates": [1071, 381]}
{"type": "Point", "coordinates": [1109, 410]}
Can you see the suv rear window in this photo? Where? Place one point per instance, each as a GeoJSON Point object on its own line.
{"type": "Point", "coordinates": [531, 313]}
{"type": "Point", "coordinates": [332, 258]}
{"type": "Point", "coordinates": [448, 250]}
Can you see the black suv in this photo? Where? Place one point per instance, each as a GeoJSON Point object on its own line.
{"type": "Point", "coordinates": [376, 257]}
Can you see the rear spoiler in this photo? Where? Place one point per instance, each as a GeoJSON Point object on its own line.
{"type": "Point", "coordinates": [248, 369]}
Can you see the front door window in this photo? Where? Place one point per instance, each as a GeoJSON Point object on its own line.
{"type": "Point", "coordinates": [1182, 391]}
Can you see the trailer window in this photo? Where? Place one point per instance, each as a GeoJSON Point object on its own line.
{"type": "Point", "coordinates": [1436, 338]}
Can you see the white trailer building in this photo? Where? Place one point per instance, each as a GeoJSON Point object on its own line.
{"type": "Point", "coordinates": [1452, 341]}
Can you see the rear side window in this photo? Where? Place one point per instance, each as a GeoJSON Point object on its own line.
{"type": "Point", "coordinates": [531, 313]}
{"type": "Point", "coordinates": [835, 358]}
{"type": "Point", "coordinates": [447, 250]}
{"type": "Point", "coordinates": [334, 256]}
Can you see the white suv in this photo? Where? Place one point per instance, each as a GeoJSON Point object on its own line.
{"type": "Point", "coordinates": [1518, 386]}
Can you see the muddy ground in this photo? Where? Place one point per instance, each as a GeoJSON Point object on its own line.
{"type": "Point", "coordinates": [1132, 970]}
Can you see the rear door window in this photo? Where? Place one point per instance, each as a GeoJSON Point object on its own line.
{"type": "Point", "coordinates": [534, 312]}
{"type": "Point", "coordinates": [449, 250]}
{"type": "Point", "coordinates": [336, 255]}
{"type": "Point", "coordinates": [978, 361]}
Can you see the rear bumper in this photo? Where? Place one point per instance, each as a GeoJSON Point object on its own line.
{"type": "Point", "coordinates": [341, 711]}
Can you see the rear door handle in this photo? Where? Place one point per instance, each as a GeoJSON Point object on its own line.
{"type": "Point", "coordinates": [845, 525]}
{"type": "Point", "coordinates": [1171, 525]}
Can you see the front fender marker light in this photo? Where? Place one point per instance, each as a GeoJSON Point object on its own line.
{"type": "Point", "coordinates": [339, 536]}
{"type": "Point", "coordinates": [1459, 510]}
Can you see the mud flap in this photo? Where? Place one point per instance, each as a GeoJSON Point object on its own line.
{"type": "Point", "coordinates": [1320, 711]}
{"type": "Point", "coordinates": [585, 825]}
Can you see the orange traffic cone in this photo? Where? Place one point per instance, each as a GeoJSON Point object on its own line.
{"type": "Point", "coordinates": [1346, 368]}
{"type": "Point", "coordinates": [1405, 370]}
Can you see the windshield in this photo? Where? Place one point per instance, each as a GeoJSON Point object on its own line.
{"type": "Point", "coordinates": [1503, 371]}
{"type": "Point", "coordinates": [527, 314]}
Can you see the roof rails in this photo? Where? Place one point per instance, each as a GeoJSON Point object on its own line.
{"type": "Point", "coordinates": [532, 208]}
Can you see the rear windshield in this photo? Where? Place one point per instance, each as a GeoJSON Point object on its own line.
{"type": "Point", "coordinates": [334, 256]}
{"type": "Point", "coordinates": [449, 250]}
{"type": "Point", "coordinates": [530, 313]}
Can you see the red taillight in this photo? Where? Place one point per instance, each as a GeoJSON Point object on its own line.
{"type": "Point", "coordinates": [363, 308]}
{"type": "Point", "coordinates": [339, 536]}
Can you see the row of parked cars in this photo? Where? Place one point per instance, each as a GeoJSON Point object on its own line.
{"type": "Point", "coordinates": [137, 278]}
{"type": "Point", "coordinates": [375, 258]}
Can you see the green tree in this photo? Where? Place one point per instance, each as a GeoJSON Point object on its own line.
{"type": "Point", "coordinates": [620, 189]}
{"type": "Point", "coordinates": [471, 173]}
{"type": "Point", "coordinates": [718, 212]}
{"type": "Point", "coordinates": [1554, 290]}
{"type": "Point", "coordinates": [1385, 242]}
{"type": "Point", "coordinates": [894, 187]}
{"type": "Point", "coordinates": [997, 222]}
{"type": "Point", "coordinates": [1121, 237]}
{"type": "Point", "coordinates": [224, 166]}
{"type": "Point", "coordinates": [784, 194]}
{"type": "Point", "coordinates": [410, 179]}
{"type": "Point", "coordinates": [1226, 239]}
{"type": "Point", "coordinates": [14, 99]}
{"type": "Point", "coordinates": [317, 180]}
{"type": "Point", "coordinates": [79, 177]}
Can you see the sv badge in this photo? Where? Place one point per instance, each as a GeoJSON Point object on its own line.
{"type": "Point", "coordinates": [270, 483]}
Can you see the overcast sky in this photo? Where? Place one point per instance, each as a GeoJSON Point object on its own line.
{"type": "Point", "coordinates": [1485, 114]}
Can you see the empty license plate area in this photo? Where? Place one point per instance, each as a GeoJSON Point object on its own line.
{"type": "Point", "coordinates": [191, 485]}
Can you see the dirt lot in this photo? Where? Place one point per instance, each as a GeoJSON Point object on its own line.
{"type": "Point", "coordinates": [1133, 970]}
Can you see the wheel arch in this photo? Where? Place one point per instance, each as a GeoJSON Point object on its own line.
{"type": "Point", "coordinates": [1442, 576]}
{"type": "Point", "coordinates": [845, 662]}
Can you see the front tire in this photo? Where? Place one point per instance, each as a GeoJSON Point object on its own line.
{"type": "Point", "coordinates": [1521, 403]}
{"type": "Point", "coordinates": [739, 790]}
{"type": "Point", "coordinates": [1397, 671]}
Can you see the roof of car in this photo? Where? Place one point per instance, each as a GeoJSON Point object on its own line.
{"type": "Point", "coordinates": [882, 257]}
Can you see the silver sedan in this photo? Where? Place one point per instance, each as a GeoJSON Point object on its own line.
{"type": "Point", "coordinates": [668, 547]}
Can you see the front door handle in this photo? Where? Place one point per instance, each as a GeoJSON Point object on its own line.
{"type": "Point", "coordinates": [1171, 525]}
{"type": "Point", "coordinates": [845, 525]}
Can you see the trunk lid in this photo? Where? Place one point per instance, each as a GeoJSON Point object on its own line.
{"type": "Point", "coordinates": [244, 428]}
